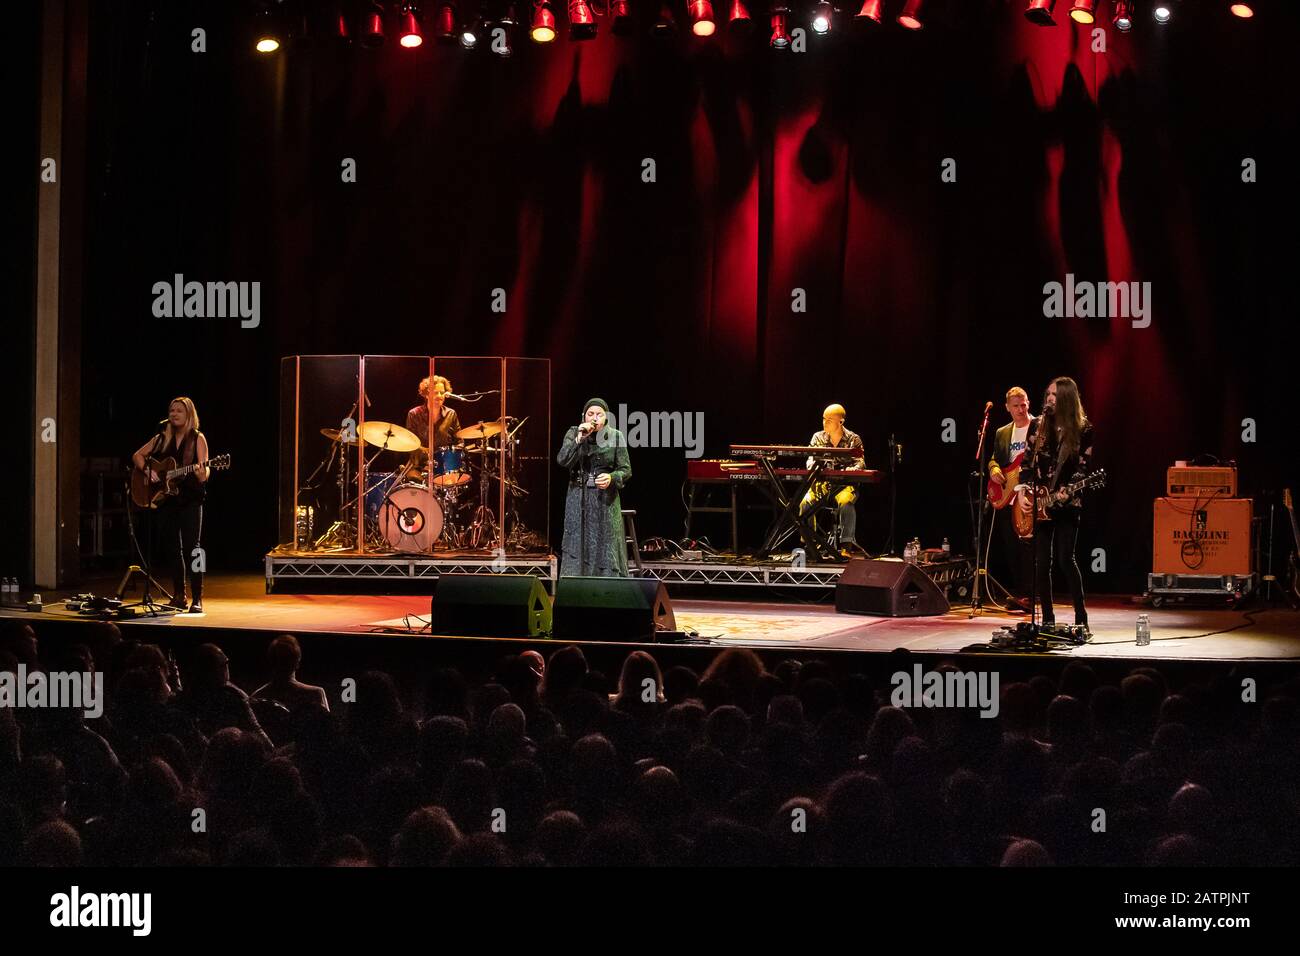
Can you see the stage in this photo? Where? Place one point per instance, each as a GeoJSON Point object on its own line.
{"type": "Point", "coordinates": [240, 603]}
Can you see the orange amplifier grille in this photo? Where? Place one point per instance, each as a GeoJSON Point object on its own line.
{"type": "Point", "coordinates": [1201, 482]}
{"type": "Point", "coordinates": [1212, 537]}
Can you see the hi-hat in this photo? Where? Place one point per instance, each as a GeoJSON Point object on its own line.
{"type": "Point", "coordinates": [336, 434]}
{"type": "Point", "coordinates": [390, 437]}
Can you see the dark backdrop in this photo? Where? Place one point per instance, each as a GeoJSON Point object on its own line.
{"type": "Point", "coordinates": [818, 171]}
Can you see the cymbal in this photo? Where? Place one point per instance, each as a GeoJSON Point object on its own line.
{"type": "Point", "coordinates": [482, 430]}
{"type": "Point", "coordinates": [388, 436]}
{"type": "Point", "coordinates": [336, 434]}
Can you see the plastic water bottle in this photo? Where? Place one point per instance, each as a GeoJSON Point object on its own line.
{"type": "Point", "coordinates": [10, 591]}
{"type": "Point", "coordinates": [947, 548]}
{"type": "Point", "coordinates": [1144, 630]}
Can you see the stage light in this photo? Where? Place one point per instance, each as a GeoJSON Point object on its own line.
{"type": "Point", "coordinates": [470, 33]}
{"type": "Point", "coordinates": [1084, 11]}
{"type": "Point", "coordinates": [444, 24]}
{"type": "Point", "coordinates": [1162, 13]}
{"type": "Point", "coordinates": [372, 26]}
{"type": "Point", "coordinates": [1040, 12]}
{"type": "Point", "coordinates": [268, 30]}
{"type": "Point", "coordinates": [409, 34]}
{"type": "Point", "coordinates": [701, 13]}
{"type": "Point", "coordinates": [543, 27]}
{"type": "Point", "coordinates": [1122, 15]}
{"type": "Point", "coordinates": [509, 20]}
{"type": "Point", "coordinates": [821, 20]}
{"type": "Point", "coordinates": [342, 30]}
{"type": "Point", "coordinates": [666, 23]}
{"type": "Point", "coordinates": [780, 38]}
{"type": "Point", "coordinates": [910, 17]}
{"type": "Point", "coordinates": [621, 13]}
{"type": "Point", "coordinates": [1243, 10]}
{"type": "Point", "coordinates": [267, 44]}
{"type": "Point", "coordinates": [739, 19]}
{"type": "Point", "coordinates": [582, 23]}
{"type": "Point", "coordinates": [870, 12]}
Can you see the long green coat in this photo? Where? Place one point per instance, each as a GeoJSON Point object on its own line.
{"type": "Point", "coordinates": [594, 540]}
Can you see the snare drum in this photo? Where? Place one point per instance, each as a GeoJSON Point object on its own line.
{"type": "Point", "coordinates": [449, 466]}
{"type": "Point", "coordinates": [411, 518]}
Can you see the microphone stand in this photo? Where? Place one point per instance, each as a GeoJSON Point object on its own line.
{"type": "Point", "coordinates": [977, 500]}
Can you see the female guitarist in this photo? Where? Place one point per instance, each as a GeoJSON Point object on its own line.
{"type": "Point", "coordinates": [180, 516]}
{"type": "Point", "coordinates": [1061, 456]}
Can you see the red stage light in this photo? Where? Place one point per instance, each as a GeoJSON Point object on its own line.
{"type": "Point", "coordinates": [543, 29]}
{"type": "Point", "coordinates": [666, 25]}
{"type": "Point", "coordinates": [739, 18]}
{"type": "Point", "coordinates": [444, 27]}
{"type": "Point", "coordinates": [372, 30]}
{"type": "Point", "coordinates": [410, 35]}
{"type": "Point", "coordinates": [701, 12]}
{"type": "Point", "coordinates": [1243, 10]}
{"type": "Point", "coordinates": [1122, 15]}
{"type": "Point", "coordinates": [780, 39]}
{"type": "Point", "coordinates": [1083, 11]}
{"type": "Point", "coordinates": [911, 15]}
{"type": "Point", "coordinates": [582, 24]}
{"type": "Point", "coordinates": [1040, 12]}
{"type": "Point", "coordinates": [870, 12]}
{"type": "Point", "coordinates": [621, 13]}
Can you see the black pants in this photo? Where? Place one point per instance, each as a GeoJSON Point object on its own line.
{"type": "Point", "coordinates": [1018, 552]}
{"type": "Point", "coordinates": [1057, 538]}
{"type": "Point", "coordinates": [179, 527]}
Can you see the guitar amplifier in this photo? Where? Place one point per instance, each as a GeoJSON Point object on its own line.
{"type": "Point", "coordinates": [1186, 482]}
{"type": "Point", "coordinates": [1202, 538]}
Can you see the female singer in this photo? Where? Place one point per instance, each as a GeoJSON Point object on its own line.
{"type": "Point", "coordinates": [596, 455]}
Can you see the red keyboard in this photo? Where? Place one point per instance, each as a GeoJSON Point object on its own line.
{"type": "Point", "coordinates": [718, 469]}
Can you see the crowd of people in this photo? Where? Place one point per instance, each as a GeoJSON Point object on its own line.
{"type": "Point", "coordinates": [551, 762]}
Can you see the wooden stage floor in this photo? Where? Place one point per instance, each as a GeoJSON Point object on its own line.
{"type": "Point", "coordinates": [239, 602]}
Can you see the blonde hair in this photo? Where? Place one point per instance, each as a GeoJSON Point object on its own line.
{"type": "Point", "coordinates": [191, 418]}
{"type": "Point", "coordinates": [1015, 390]}
{"type": "Point", "coordinates": [427, 384]}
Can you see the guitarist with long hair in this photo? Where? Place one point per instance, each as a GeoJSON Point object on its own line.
{"type": "Point", "coordinates": [1061, 457]}
{"type": "Point", "coordinates": [180, 516]}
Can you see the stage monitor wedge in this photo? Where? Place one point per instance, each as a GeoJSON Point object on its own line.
{"type": "Point", "coordinates": [490, 605]}
{"type": "Point", "coordinates": [887, 589]}
{"type": "Point", "coordinates": [611, 609]}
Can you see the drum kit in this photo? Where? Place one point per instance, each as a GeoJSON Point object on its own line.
{"type": "Point", "coordinates": [415, 508]}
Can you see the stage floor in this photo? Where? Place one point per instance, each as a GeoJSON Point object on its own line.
{"type": "Point", "coordinates": [239, 602]}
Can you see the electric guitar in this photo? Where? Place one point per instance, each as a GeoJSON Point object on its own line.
{"type": "Point", "coordinates": [1002, 495]}
{"type": "Point", "coordinates": [1293, 562]}
{"type": "Point", "coordinates": [150, 494]}
{"type": "Point", "coordinates": [1045, 501]}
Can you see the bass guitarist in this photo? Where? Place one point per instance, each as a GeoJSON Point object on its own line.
{"type": "Point", "coordinates": [180, 516]}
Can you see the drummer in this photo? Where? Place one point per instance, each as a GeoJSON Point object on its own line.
{"type": "Point", "coordinates": [434, 390]}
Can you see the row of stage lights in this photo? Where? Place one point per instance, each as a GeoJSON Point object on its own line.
{"type": "Point", "coordinates": [368, 22]}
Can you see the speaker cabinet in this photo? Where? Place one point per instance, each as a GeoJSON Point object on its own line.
{"type": "Point", "coordinates": [490, 605]}
{"type": "Point", "coordinates": [887, 589]}
{"type": "Point", "coordinates": [611, 609]}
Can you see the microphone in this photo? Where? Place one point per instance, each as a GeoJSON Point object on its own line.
{"type": "Point", "coordinates": [987, 406]}
{"type": "Point", "coordinates": [455, 396]}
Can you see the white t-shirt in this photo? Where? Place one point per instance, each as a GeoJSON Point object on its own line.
{"type": "Point", "coordinates": [1018, 440]}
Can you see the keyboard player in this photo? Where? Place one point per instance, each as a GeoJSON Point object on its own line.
{"type": "Point", "coordinates": [835, 435]}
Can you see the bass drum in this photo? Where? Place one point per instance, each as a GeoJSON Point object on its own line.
{"type": "Point", "coordinates": [411, 519]}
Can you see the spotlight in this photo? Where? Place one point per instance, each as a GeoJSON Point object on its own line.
{"type": "Point", "coordinates": [1122, 15]}
{"type": "Point", "coordinates": [1084, 11]}
{"type": "Point", "coordinates": [342, 31]}
{"type": "Point", "coordinates": [739, 19]}
{"type": "Point", "coordinates": [911, 15]}
{"type": "Point", "coordinates": [701, 13]}
{"type": "Point", "coordinates": [870, 12]}
{"type": "Point", "coordinates": [780, 38]}
{"type": "Point", "coordinates": [621, 13]}
{"type": "Point", "coordinates": [543, 28]}
{"type": "Point", "coordinates": [666, 24]}
{"type": "Point", "coordinates": [1162, 13]}
{"type": "Point", "coordinates": [1040, 12]}
{"type": "Point", "coordinates": [444, 24]}
{"type": "Point", "coordinates": [821, 21]}
{"type": "Point", "coordinates": [409, 35]}
{"type": "Point", "coordinates": [1243, 10]}
{"type": "Point", "coordinates": [268, 31]}
{"type": "Point", "coordinates": [509, 20]}
{"type": "Point", "coordinates": [372, 26]}
{"type": "Point", "coordinates": [470, 34]}
{"type": "Point", "coordinates": [582, 24]}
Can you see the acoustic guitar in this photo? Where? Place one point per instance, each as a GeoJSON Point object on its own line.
{"type": "Point", "coordinates": [150, 494]}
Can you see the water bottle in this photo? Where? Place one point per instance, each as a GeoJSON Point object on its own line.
{"type": "Point", "coordinates": [1144, 630]}
{"type": "Point", "coordinates": [10, 591]}
{"type": "Point", "coordinates": [947, 548]}
{"type": "Point", "coordinates": [907, 553]}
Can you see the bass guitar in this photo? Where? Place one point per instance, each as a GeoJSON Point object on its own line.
{"type": "Point", "coordinates": [1002, 495]}
{"type": "Point", "coordinates": [1045, 501]}
{"type": "Point", "coordinates": [150, 494]}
